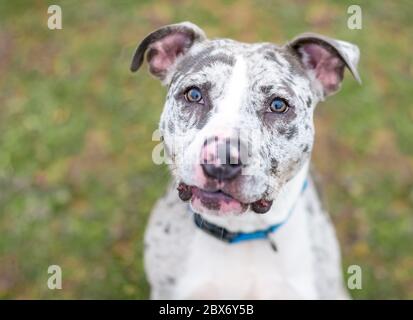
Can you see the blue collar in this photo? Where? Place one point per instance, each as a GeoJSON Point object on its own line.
{"type": "Point", "coordinates": [235, 237]}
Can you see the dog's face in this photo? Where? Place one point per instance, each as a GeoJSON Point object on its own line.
{"type": "Point", "coordinates": [238, 118]}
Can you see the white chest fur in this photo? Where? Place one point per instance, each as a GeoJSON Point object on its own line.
{"type": "Point", "coordinates": [252, 269]}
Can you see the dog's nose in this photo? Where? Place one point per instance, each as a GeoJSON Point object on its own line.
{"type": "Point", "coordinates": [222, 171]}
{"type": "Point", "coordinates": [221, 159]}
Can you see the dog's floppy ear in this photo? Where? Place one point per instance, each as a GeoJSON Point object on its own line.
{"type": "Point", "coordinates": [164, 45]}
{"type": "Point", "coordinates": [326, 59]}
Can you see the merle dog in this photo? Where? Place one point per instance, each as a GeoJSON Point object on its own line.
{"type": "Point", "coordinates": [237, 126]}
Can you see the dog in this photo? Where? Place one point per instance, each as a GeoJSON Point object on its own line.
{"type": "Point", "coordinates": [245, 221]}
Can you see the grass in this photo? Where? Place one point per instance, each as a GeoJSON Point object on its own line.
{"type": "Point", "coordinates": [76, 177]}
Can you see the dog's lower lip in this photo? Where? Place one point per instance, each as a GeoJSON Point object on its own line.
{"type": "Point", "coordinates": [218, 193]}
{"type": "Point", "coordinates": [217, 202]}
{"type": "Point", "coordinates": [187, 193]}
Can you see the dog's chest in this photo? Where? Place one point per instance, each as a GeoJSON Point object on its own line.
{"type": "Point", "coordinates": [250, 270]}
{"type": "Point", "coordinates": [182, 261]}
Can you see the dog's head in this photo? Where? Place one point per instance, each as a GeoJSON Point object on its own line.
{"type": "Point", "coordinates": [238, 118]}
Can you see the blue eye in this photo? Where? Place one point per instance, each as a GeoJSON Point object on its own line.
{"type": "Point", "coordinates": [278, 105]}
{"type": "Point", "coordinates": [193, 95]}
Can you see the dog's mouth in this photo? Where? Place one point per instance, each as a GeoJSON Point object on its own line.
{"type": "Point", "coordinates": [219, 202]}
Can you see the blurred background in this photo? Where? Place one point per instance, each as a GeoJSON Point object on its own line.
{"type": "Point", "coordinates": [77, 181]}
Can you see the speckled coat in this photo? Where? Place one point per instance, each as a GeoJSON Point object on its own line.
{"type": "Point", "coordinates": [238, 81]}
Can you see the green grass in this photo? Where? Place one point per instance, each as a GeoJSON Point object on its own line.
{"type": "Point", "coordinates": [76, 177]}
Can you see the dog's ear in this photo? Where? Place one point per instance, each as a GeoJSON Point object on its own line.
{"type": "Point", "coordinates": [164, 45]}
{"type": "Point", "coordinates": [326, 58]}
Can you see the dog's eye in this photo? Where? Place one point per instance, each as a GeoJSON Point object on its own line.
{"type": "Point", "coordinates": [193, 95]}
{"type": "Point", "coordinates": [279, 105]}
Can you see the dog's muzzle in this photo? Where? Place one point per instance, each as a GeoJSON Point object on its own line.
{"type": "Point", "coordinates": [222, 161]}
